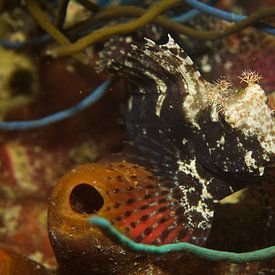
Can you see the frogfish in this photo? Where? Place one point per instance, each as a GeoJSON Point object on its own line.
{"type": "Point", "coordinates": [198, 141]}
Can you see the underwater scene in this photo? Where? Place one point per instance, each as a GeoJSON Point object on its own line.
{"type": "Point", "coordinates": [137, 137]}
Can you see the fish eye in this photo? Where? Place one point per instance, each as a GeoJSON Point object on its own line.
{"type": "Point", "coordinates": [226, 126]}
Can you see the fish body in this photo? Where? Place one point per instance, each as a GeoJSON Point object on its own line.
{"type": "Point", "coordinates": [201, 141]}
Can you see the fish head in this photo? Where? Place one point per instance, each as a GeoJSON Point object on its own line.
{"type": "Point", "coordinates": [237, 128]}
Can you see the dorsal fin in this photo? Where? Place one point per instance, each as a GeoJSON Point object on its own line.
{"type": "Point", "coordinates": [150, 60]}
{"type": "Point", "coordinates": [158, 69]}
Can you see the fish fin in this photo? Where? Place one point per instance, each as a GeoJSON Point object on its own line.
{"type": "Point", "coordinates": [166, 161]}
{"type": "Point", "coordinates": [157, 203]}
{"type": "Point", "coordinates": [151, 64]}
{"type": "Point", "coordinates": [147, 211]}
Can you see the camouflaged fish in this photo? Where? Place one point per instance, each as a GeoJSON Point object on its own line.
{"type": "Point", "coordinates": [201, 141]}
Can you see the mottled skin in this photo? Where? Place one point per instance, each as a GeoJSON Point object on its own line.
{"type": "Point", "coordinates": [180, 133]}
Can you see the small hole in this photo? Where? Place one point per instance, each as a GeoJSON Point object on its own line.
{"type": "Point", "coordinates": [21, 82]}
{"type": "Point", "coordinates": [85, 199]}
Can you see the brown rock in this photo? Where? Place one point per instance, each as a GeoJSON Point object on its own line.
{"type": "Point", "coordinates": [14, 264]}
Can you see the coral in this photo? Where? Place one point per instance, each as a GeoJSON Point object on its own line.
{"type": "Point", "coordinates": [78, 246]}
{"type": "Point", "coordinates": [193, 142]}
{"type": "Point", "coordinates": [250, 78]}
{"type": "Point", "coordinates": [12, 263]}
{"type": "Point", "coordinates": [18, 81]}
{"type": "Point", "coordinates": [93, 189]}
{"type": "Point", "coordinates": [32, 161]}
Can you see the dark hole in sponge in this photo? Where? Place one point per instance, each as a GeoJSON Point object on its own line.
{"type": "Point", "coordinates": [85, 199]}
{"type": "Point", "coordinates": [21, 82]}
